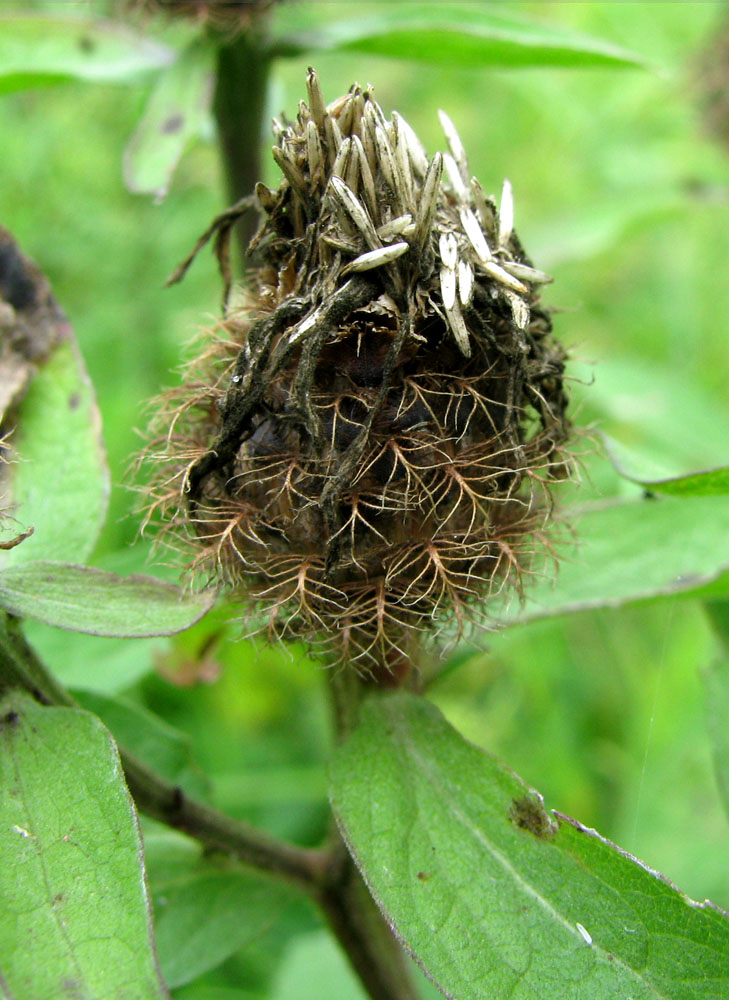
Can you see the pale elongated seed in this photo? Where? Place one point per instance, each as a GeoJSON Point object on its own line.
{"type": "Point", "coordinates": [354, 209]}
{"type": "Point", "coordinates": [416, 152]}
{"type": "Point", "coordinates": [313, 146]}
{"type": "Point", "coordinates": [368, 183]}
{"type": "Point", "coordinates": [428, 200]}
{"type": "Point", "coordinates": [455, 145]}
{"type": "Point", "coordinates": [475, 235]}
{"type": "Point", "coordinates": [376, 258]}
{"type": "Point", "coordinates": [316, 98]}
{"type": "Point", "coordinates": [484, 207]}
{"type": "Point", "coordinates": [504, 278]}
{"type": "Point", "coordinates": [520, 311]}
{"type": "Point", "coordinates": [339, 167]}
{"type": "Point", "coordinates": [465, 282]}
{"type": "Point", "coordinates": [506, 214]}
{"type": "Point", "coordinates": [291, 172]}
{"type": "Point", "coordinates": [525, 273]}
{"type": "Point", "coordinates": [459, 329]}
{"type": "Point", "coordinates": [448, 287]}
{"type": "Point", "coordinates": [448, 250]}
{"type": "Point", "coordinates": [454, 176]}
{"type": "Point", "coordinates": [402, 164]}
{"type": "Point", "coordinates": [395, 226]}
{"type": "Point", "coordinates": [387, 161]}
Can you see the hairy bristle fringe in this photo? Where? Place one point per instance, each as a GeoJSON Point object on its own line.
{"type": "Point", "coordinates": [364, 450]}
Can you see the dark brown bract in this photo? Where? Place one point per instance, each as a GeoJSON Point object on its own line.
{"type": "Point", "coordinates": [363, 452]}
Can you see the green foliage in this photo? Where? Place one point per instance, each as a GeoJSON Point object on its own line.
{"type": "Point", "coordinates": [498, 897]}
{"type": "Point", "coordinates": [599, 708]}
{"type": "Point", "coordinates": [75, 919]}
{"type": "Point", "coordinates": [634, 550]}
{"type": "Point", "coordinates": [37, 51]}
{"type": "Point", "coordinates": [176, 110]}
{"type": "Point", "coordinates": [58, 437]}
{"type": "Point", "coordinates": [455, 34]}
{"type": "Point", "coordinates": [89, 600]}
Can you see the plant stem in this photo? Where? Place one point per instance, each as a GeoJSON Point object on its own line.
{"type": "Point", "coordinates": [162, 800]}
{"type": "Point", "coordinates": [373, 952]}
{"type": "Point", "coordinates": [239, 104]}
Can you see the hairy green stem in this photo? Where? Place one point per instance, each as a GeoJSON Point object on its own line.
{"type": "Point", "coordinates": [239, 106]}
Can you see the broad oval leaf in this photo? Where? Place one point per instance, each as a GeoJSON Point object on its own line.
{"type": "Point", "coordinates": [633, 551]}
{"type": "Point", "coordinates": [93, 601]}
{"type": "Point", "coordinates": [40, 50]}
{"type": "Point", "coordinates": [55, 481]}
{"type": "Point", "coordinates": [455, 34]}
{"type": "Point", "coordinates": [174, 114]}
{"type": "Point", "coordinates": [496, 897]}
{"type": "Point", "coordinates": [74, 913]}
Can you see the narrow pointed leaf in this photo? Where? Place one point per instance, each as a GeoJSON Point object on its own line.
{"type": "Point", "coordinates": [74, 913]}
{"type": "Point", "coordinates": [495, 896]}
{"type": "Point", "coordinates": [37, 50]}
{"type": "Point", "coordinates": [172, 119]}
{"type": "Point", "coordinates": [634, 551]}
{"type": "Point", "coordinates": [457, 35]}
{"type": "Point", "coordinates": [89, 600]}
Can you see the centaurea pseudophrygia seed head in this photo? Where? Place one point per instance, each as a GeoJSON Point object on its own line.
{"type": "Point", "coordinates": [364, 451]}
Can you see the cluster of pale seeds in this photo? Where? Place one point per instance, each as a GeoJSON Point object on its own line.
{"type": "Point", "coordinates": [364, 450]}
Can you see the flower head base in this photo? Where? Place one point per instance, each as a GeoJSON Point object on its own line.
{"type": "Point", "coordinates": [364, 451]}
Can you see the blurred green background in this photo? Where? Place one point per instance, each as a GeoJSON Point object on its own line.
{"type": "Point", "coordinates": [623, 196]}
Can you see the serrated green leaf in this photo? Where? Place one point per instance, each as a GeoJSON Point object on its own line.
{"type": "Point", "coordinates": [498, 898]}
{"type": "Point", "coordinates": [633, 551]}
{"type": "Point", "coordinates": [59, 483]}
{"type": "Point", "coordinates": [40, 50]}
{"type": "Point", "coordinates": [174, 114]}
{"type": "Point", "coordinates": [74, 912]}
{"type": "Point", "coordinates": [455, 34]}
{"type": "Point", "coordinates": [204, 909]}
{"type": "Point", "coordinates": [89, 600]}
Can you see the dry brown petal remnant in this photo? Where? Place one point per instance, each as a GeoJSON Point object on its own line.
{"type": "Point", "coordinates": [364, 450]}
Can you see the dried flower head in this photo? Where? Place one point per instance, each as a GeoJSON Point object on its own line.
{"type": "Point", "coordinates": [364, 450]}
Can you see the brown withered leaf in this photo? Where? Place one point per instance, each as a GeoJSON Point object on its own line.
{"type": "Point", "coordinates": [31, 324]}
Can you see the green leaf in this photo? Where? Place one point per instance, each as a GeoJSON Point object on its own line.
{"type": "Point", "coordinates": [716, 687]}
{"type": "Point", "coordinates": [498, 898]}
{"type": "Point", "coordinates": [174, 114]}
{"type": "Point", "coordinates": [59, 483]}
{"type": "Point", "coordinates": [633, 551]}
{"type": "Point", "coordinates": [145, 735]}
{"type": "Point", "coordinates": [311, 960]}
{"type": "Point", "coordinates": [452, 34]}
{"type": "Point", "coordinates": [89, 600]}
{"type": "Point", "coordinates": [704, 483]}
{"type": "Point", "coordinates": [74, 912]}
{"type": "Point", "coordinates": [205, 910]}
{"type": "Point", "coordinates": [41, 50]}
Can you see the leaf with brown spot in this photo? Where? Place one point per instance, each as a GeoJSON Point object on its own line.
{"type": "Point", "coordinates": [53, 477]}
